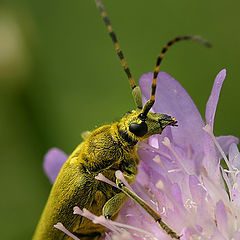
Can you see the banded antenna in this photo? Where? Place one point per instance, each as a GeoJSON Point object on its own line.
{"type": "Point", "coordinates": [148, 105]}
{"type": "Point", "coordinates": [137, 95]}
{"type": "Point", "coordinates": [135, 89]}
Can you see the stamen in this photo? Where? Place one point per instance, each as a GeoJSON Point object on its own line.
{"type": "Point", "coordinates": [235, 186]}
{"type": "Point", "coordinates": [168, 144]}
{"type": "Point", "coordinates": [60, 227]}
{"type": "Point", "coordinates": [119, 175]}
{"type": "Point", "coordinates": [102, 178]}
{"type": "Point", "coordinates": [107, 236]}
{"type": "Point", "coordinates": [115, 227]}
{"type": "Point", "coordinates": [155, 215]}
{"type": "Point", "coordinates": [215, 191]}
{"type": "Point", "coordinates": [164, 212]}
{"type": "Point", "coordinates": [157, 160]}
{"type": "Point", "coordinates": [227, 182]}
{"type": "Point", "coordinates": [174, 170]}
{"type": "Point", "coordinates": [101, 219]}
{"type": "Point", "coordinates": [208, 129]}
{"type": "Point", "coordinates": [235, 171]}
{"type": "Point", "coordinates": [159, 185]}
{"type": "Point", "coordinates": [190, 204]}
{"type": "Point", "coordinates": [96, 219]}
{"type": "Point", "coordinates": [143, 145]}
{"type": "Point", "coordinates": [231, 170]}
{"type": "Point", "coordinates": [188, 219]}
{"type": "Point", "coordinates": [131, 227]}
{"type": "Point", "coordinates": [152, 197]}
{"type": "Point", "coordinates": [155, 203]}
{"type": "Point", "coordinates": [202, 185]}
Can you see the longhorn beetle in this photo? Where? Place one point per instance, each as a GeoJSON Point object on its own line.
{"type": "Point", "coordinates": [106, 149]}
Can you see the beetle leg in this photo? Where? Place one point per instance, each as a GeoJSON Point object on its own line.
{"type": "Point", "coordinates": [130, 178]}
{"type": "Point", "coordinates": [129, 170]}
{"type": "Point", "coordinates": [113, 205]}
{"type": "Point", "coordinates": [155, 215]}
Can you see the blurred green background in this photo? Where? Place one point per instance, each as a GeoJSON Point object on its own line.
{"type": "Point", "coordinates": [59, 76]}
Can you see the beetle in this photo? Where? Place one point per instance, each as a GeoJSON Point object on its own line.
{"type": "Point", "coordinates": [106, 149]}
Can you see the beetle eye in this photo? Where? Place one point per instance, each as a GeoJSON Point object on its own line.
{"type": "Point", "coordinates": [138, 129]}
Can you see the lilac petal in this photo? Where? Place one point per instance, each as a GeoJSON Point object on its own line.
{"type": "Point", "coordinates": [225, 142]}
{"type": "Point", "coordinates": [234, 155]}
{"type": "Point", "coordinates": [228, 180]}
{"type": "Point", "coordinates": [153, 170]}
{"type": "Point", "coordinates": [187, 233]}
{"type": "Point", "coordinates": [197, 191]}
{"type": "Point", "coordinates": [53, 161]}
{"type": "Point", "coordinates": [177, 194]}
{"type": "Point", "coordinates": [235, 197]}
{"type": "Point", "coordinates": [221, 218]}
{"type": "Point", "coordinates": [213, 99]}
{"type": "Point", "coordinates": [210, 160]}
{"type": "Point", "coordinates": [217, 236]}
{"type": "Point", "coordinates": [166, 133]}
{"type": "Point", "coordinates": [172, 99]}
{"type": "Point", "coordinates": [236, 235]}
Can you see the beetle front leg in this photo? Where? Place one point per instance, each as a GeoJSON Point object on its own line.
{"type": "Point", "coordinates": [113, 205]}
{"type": "Point", "coordinates": [129, 170]}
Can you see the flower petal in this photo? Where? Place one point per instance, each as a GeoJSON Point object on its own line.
{"type": "Point", "coordinates": [236, 235]}
{"type": "Point", "coordinates": [53, 161]}
{"type": "Point", "coordinates": [198, 193]}
{"type": "Point", "coordinates": [225, 142]}
{"type": "Point", "coordinates": [234, 156]}
{"type": "Point", "coordinates": [213, 99]}
{"type": "Point", "coordinates": [172, 99]}
{"type": "Point", "coordinates": [221, 218]}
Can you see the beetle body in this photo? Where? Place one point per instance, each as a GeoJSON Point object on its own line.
{"type": "Point", "coordinates": [107, 149]}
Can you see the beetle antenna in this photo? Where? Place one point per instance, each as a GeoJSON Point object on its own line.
{"type": "Point", "coordinates": [148, 105]}
{"type": "Point", "coordinates": [135, 89]}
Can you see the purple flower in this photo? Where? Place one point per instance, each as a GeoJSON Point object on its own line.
{"type": "Point", "coordinates": [53, 161]}
{"type": "Point", "coordinates": [180, 174]}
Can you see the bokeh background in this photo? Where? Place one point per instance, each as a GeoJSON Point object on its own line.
{"type": "Point", "coordinates": [60, 76]}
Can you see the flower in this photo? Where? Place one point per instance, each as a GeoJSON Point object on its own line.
{"type": "Point", "coordinates": [180, 174]}
{"type": "Point", "coordinates": [53, 161]}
